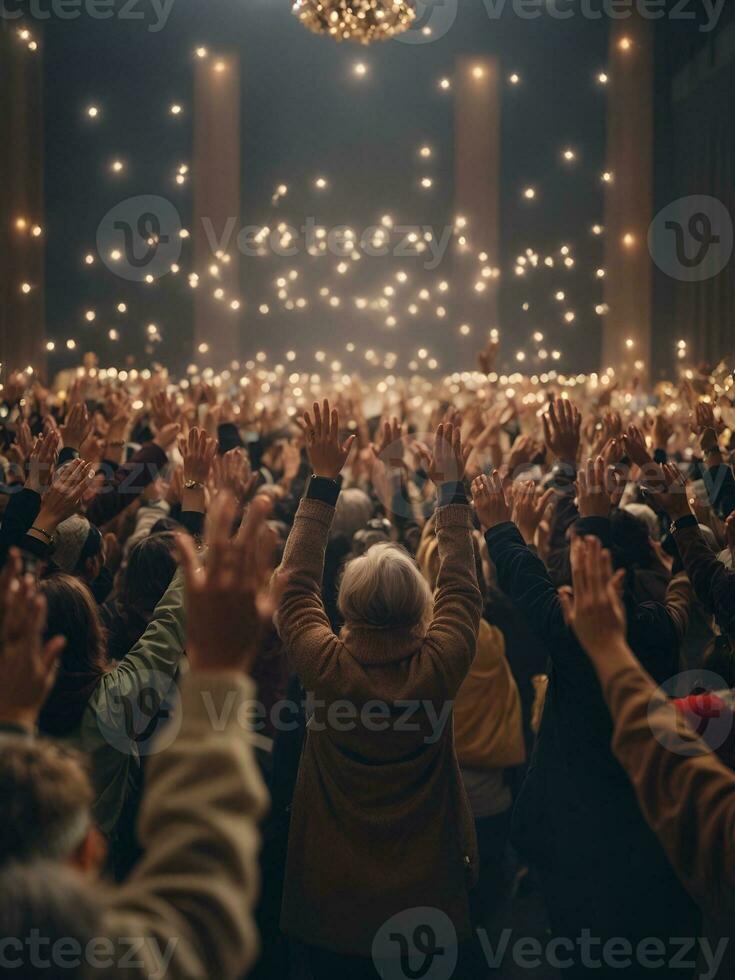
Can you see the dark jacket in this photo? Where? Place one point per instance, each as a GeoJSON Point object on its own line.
{"type": "Point", "coordinates": [577, 819]}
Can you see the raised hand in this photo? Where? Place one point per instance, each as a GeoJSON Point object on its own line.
{"type": "Point", "coordinates": [522, 452]}
{"type": "Point", "coordinates": [63, 497]}
{"type": "Point", "coordinates": [562, 425]}
{"type": "Point", "coordinates": [390, 449]}
{"type": "Point", "coordinates": [228, 602]}
{"type": "Point", "coordinates": [448, 460]}
{"type": "Point", "coordinates": [595, 610]}
{"type": "Point", "coordinates": [119, 421]}
{"type": "Point", "coordinates": [198, 451]}
{"type": "Point", "coordinates": [529, 507]}
{"type": "Point", "coordinates": [41, 460]}
{"type": "Point", "coordinates": [27, 664]}
{"type": "Point", "coordinates": [672, 498]}
{"type": "Point", "coordinates": [77, 426]}
{"type": "Point", "coordinates": [326, 454]}
{"type": "Point", "coordinates": [163, 410]}
{"type": "Point", "coordinates": [490, 502]}
{"type": "Point", "coordinates": [290, 461]}
{"type": "Point", "coordinates": [635, 446]}
{"type": "Point", "coordinates": [593, 496]}
{"type": "Point", "coordinates": [233, 472]}
{"type": "Point", "coordinates": [487, 357]}
{"type": "Point", "coordinates": [704, 418]}
{"type": "Point", "coordinates": [662, 431]}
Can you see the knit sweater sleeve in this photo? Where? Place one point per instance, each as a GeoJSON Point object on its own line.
{"type": "Point", "coordinates": [452, 637]}
{"type": "Point", "coordinates": [686, 794]}
{"type": "Point", "coordinates": [303, 625]}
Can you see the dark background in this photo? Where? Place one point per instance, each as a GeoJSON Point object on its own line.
{"type": "Point", "coordinates": [305, 113]}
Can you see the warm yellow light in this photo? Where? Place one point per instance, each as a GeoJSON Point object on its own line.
{"type": "Point", "coordinates": [36, 231]}
{"type": "Point", "coordinates": [201, 52]}
{"type": "Point", "coordinates": [122, 307]}
{"type": "Point", "coordinates": [176, 109]}
{"type": "Point", "coordinates": [25, 287]}
{"type": "Point", "coordinates": [625, 44]}
{"type": "Point", "coordinates": [629, 343]}
{"type": "Point", "coordinates": [93, 111]}
{"type": "Point", "coordinates": [219, 67]}
{"type": "Point", "coordinates": [360, 69]}
{"type": "Point", "coordinates": [478, 72]}
{"type": "Point", "coordinates": [529, 193]}
{"type": "Point", "coordinates": [90, 316]}
{"type": "Point", "coordinates": [427, 183]}
{"type": "Point", "coordinates": [21, 224]}
{"type": "Point", "coordinates": [629, 240]}
{"type": "Point", "coordinates": [320, 183]}
{"type": "Point", "coordinates": [444, 84]}
{"type": "Point", "coordinates": [117, 166]}
{"type": "Point", "coordinates": [514, 79]}
{"type": "Point", "coordinates": [603, 78]}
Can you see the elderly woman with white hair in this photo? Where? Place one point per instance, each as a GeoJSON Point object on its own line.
{"type": "Point", "coordinates": [380, 824]}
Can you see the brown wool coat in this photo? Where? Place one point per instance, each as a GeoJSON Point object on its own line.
{"type": "Point", "coordinates": [380, 819]}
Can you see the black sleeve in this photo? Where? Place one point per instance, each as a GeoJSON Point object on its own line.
{"type": "Point", "coordinates": [21, 512]}
{"type": "Point", "coordinates": [720, 485]}
{"type": "Point", "coordinates": [524, 578]}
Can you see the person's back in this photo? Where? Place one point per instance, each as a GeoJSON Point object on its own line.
{"type": "Point", "coordinates": [380, 821]}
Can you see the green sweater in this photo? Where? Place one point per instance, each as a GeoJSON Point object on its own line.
{"type": "Point", "coordinates": [118, 724]}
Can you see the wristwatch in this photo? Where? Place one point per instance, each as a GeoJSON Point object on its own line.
{"type": "Point", "coordinates": [688, 520]}
{"type": "Point", "coordinates": [193, 485]}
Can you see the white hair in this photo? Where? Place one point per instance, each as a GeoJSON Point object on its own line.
{"type": "Point", "coordinates": [384, 587]}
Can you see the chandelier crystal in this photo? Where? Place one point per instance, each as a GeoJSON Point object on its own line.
{"type": "Point", "coordinates": [364, 21]}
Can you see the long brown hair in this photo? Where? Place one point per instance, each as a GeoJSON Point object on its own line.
{"type": "Point", "coordinates": [73, 614]}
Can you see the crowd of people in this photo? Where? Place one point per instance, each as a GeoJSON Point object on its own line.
{"type": "Point", "coordinates": [306, 679]}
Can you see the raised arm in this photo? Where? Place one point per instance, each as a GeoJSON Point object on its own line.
{"type": "Point", "coordinates": [713, 584]}
{"type": "Point", "coordinates": [687, 796]}
{"type": "Point", "coordinates": [302, 621]}
{"type": "Point", "coordinates": [195, 888]}
{"type": "Point", "coordinates": [521, 574]}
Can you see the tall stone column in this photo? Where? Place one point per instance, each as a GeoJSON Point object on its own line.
{"type": "Point", "coordinates": [629, 199]}
{"type": "Point", "coordinates": [217, 206]}
{"type": "Point", "coordinates": [477, 107]}
{"type": "Point", "coordinates": [22, 232]}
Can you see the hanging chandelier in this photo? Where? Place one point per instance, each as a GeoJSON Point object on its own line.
{"type": "Point", "coordinates": [356, 20]}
